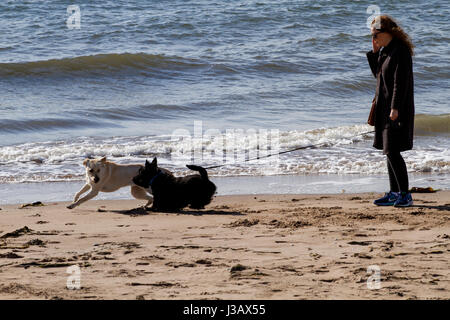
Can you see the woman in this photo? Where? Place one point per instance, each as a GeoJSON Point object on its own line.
{"type": "Point", "coordinates": [391, 63]}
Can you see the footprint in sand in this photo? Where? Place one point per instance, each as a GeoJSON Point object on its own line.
{"type": "Point", "coordinates": [17, 233]}
{"type": "Point", "coordinates": [204, 262]}
{"type": "Point", "coordinates": [10, 255]}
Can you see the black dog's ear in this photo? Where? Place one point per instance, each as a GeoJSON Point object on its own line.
{"type": "Point", "coordinates": [147, 164]}
{"type": "Point", "coordinates": [154, 162]}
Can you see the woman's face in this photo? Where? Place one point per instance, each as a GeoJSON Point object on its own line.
{"type": "Point", "coordinates": [381, 38]}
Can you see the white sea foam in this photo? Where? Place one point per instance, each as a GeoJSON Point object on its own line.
{"type": "Point", "coordinates": [339, 150]}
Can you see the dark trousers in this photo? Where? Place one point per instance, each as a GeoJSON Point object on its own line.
{"type": "Point", "coordinates": [398, 175]}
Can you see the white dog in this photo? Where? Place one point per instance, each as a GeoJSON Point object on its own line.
{"type": "Point", "coordinates": [106, 176]}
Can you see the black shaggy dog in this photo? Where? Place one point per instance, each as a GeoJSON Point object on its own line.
{"type": "Point", "coordinates": [172, 193]}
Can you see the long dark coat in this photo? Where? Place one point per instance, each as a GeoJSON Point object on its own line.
{"type": "Point", "coordinates": [392, 66]}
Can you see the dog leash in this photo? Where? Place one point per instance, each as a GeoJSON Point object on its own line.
{"type": "Point", "coordinates": [291, 150]}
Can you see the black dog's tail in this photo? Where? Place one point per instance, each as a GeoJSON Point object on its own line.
{"type": "Point", "coordinates": [200, 170]}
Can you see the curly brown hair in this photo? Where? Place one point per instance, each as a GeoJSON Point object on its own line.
{"type": "Point", "coordinates": [388, 24]}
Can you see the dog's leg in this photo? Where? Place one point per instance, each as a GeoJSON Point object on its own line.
{"type": "Point", "coordinates": [85, 188]}
{"type": "Point", "coordinates": [89, 196]}
{"type": "Point", "coordinates": [140, 194]}
{"type": "Point", "coordinates": [156, 203]}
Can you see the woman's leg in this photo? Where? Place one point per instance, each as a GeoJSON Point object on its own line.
{"type": "Point", "coordinates": [391, 197]}
{"type": "Point", "coordinates": [392, 179]}
{"type": "Point", "coordinates": [399, 174]}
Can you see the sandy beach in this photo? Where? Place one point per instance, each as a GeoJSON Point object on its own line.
{"type": "Point", "coordinates": [239, 247]}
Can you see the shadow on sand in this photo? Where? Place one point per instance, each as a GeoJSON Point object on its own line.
{"type": "Point", "coordinates": [141, 211]}
{"type": "Point", "coordinates": [440, 208]}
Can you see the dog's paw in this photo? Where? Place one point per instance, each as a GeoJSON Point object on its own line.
{"type": "Point", "coordinates": [71, 206]}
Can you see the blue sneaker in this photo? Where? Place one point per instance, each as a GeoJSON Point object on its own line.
{"type": "Point", "coordinates": [404, 200]}
{"type": "Point", "coordinates": [389, 199]}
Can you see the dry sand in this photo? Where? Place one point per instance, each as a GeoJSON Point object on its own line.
{"type": "Point", "coordinates": [240, 247]}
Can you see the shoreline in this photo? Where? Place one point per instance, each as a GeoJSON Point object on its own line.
{"type": "Point", "coordinates": [292, 246]}
{"type": "Point", "coordinates": [19, 193]}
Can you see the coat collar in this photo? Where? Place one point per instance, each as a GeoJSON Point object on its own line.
{"type": "Point", "coordinates": [386, 50]}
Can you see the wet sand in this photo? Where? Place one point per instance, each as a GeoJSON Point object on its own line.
{"type": "Point", "coordinates": [239, 247]}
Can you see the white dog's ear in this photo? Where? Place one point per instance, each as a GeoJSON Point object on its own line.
{"type": "Point", "coordinates": [103, 160]}
{"type": "Point", "coordinates": [85, 162]}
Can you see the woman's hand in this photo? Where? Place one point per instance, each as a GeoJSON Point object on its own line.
{"type": "Point", "coordinates": [375, 46]}
{"type": "Point", "coordinates": [394, 114]}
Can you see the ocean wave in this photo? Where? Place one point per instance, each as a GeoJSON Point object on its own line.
{"type": "Point", "coordinates": [101, 64]}
{"type": "Point", "coordinates": [345, 85]}
{"type": "Point", "coordinates": [277, 67]}
{"type": "Point", "coordinates": [141, 64]}
{"type": "Point", "coordinates": [13, 126]}
{"type": "Point", "coordinates": [426, 125]}
{"type": "Point", "coordinates": [92, 118]}
{"type": "Point", "coordinates": [153, 111]}
{"type": "Point", "coordinates": [338, 150]}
